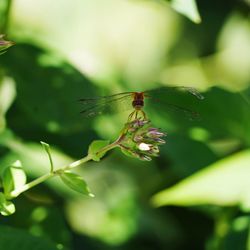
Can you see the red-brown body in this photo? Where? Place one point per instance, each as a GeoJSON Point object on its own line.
{"type": "Point", "coordinates": [138, 101]}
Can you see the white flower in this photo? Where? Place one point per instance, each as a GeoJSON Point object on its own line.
{"type": "Point", "coordinates": [144, 146]}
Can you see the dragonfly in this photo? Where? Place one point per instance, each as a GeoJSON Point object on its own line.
{"type": "Point", "coordinates": [169, 98]}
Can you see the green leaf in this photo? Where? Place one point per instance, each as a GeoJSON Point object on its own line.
{"type": "Point", "coordinates": [68, 80]}
{"type": "Point", "coordinates": [13, 177]}
{"type": "Point", "coordinates": [7, 96]}
{"type": "Point", "coordinates": [224, 183]}
{"type": "Point", "coordinates": [76, 183]}
{"type": "Point", "coordinates": [6, 207]}
{"type": "Point", "coordinates": [187, 8]}
{"type": "Point", "coordinates": [13, 239]}
{"type": "Point", "coordinates": [96, 146]}
{"type": "Point", "coordinates": [47, 149]}
{"type": "Point", "coordinates": [31, 153]}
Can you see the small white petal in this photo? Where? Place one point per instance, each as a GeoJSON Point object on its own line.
{"type": "Point", "coordinates": [144, 146]}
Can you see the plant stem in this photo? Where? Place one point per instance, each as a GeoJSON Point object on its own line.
{"type": "Point", "coordinates": [57, 172]}
{"type": "Point", "coordinates": [107, 148]}
{"type": "Point", "coordinates": [76, 163]}
{"type": "Point", "coordinates": [31, 184]}
{"type": "Point", "coordinates": [47, 176]}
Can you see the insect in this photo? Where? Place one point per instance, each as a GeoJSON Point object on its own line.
{"type": "Point", "coordinates": [169, 99]}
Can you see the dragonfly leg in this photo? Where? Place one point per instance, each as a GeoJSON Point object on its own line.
{"type": "Point", "coordinates": [130, 117]}
{"type": "Point", "coordinates": [136, 114]}
{"type": "Point", "coordinates": [143, 114]}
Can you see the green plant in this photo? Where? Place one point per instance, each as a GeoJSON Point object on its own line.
{"type": "Point", "coordinates": [137, 139]}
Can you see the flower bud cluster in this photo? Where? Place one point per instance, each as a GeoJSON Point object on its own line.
{"type": "Point", "coordinates": [141, 140]}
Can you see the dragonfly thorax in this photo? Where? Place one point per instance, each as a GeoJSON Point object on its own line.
{"type": "Point", "coordinates": [138, 101]}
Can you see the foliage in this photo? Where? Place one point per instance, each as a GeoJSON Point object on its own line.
{"type": "Point", "coordinates": [75, 182]}
{"type": "Point", "coordinates": [23, 240]}
{"type": "Point", "coordinates": [94, 148]}
{"type": "Point", "coordinates": [193, 194]}
{"type": "Point", "coordinates": [224, 183]}
{"type": "Point", "coordinates": [187, 8]}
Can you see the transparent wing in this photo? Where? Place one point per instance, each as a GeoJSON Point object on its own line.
{"type": "Point", "coordinates": [101, 99]}
{"type": "Point", "coordinates": [175, 91]}
{"type": "Point", "coordinates": [180, 101]}
{"type": "Point", "coordinates": [175, 110]}
{"type": "Point", "coordinates": [107, 104]}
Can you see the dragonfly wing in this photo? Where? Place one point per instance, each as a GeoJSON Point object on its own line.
{"type": "Point", "coordinates": [112, 104]}
{"type": "Point", "coordinates": [175, 91]}
{"type": "Point", "coordinates": [180, 101]}
{"type": "Point", "coordinates": [195, 92]}
{"type": "Point", "coordinates": [103, 99]}
{"type": "Point", "coordinates": [175, 109]}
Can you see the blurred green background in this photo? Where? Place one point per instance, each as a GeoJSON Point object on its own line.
{"type": "Point", "coordinates": [196, 195]}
